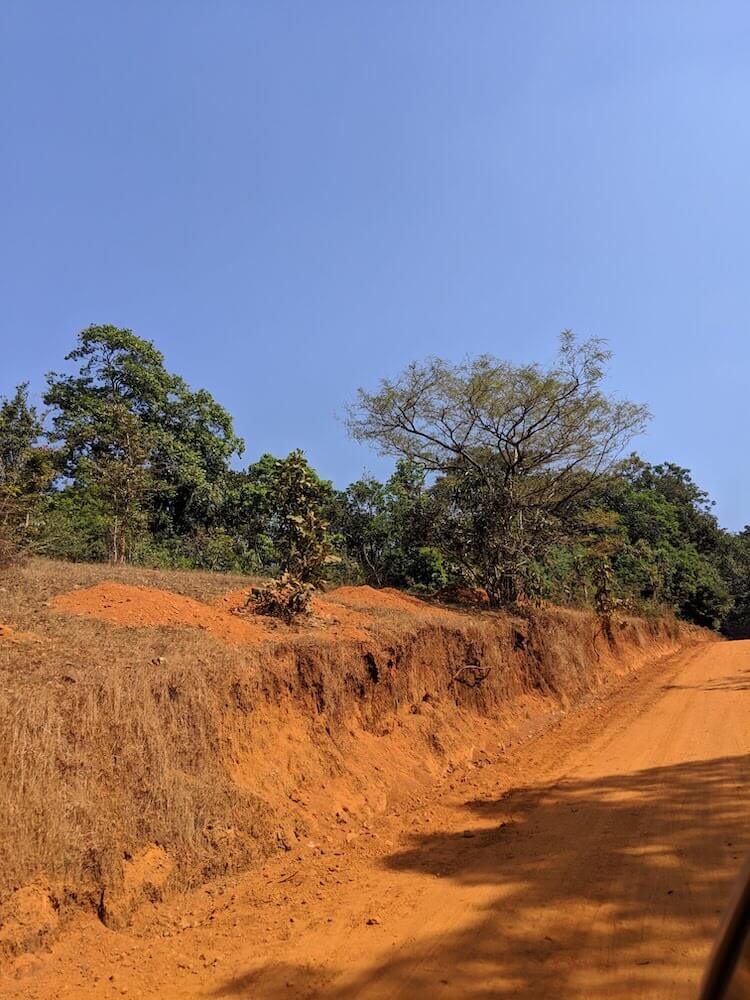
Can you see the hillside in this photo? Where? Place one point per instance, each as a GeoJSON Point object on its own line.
{"type": "Point", "coordinates": [156, 740]}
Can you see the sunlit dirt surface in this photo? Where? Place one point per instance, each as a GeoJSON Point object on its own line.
{"type": "Point", "coordinates": [593, 862]}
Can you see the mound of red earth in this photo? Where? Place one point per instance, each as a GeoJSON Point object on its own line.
{"type": "Point", "coordinates": [341, 614]}
{"type": "Point", "coordinates": [386, 599]}
{"type": "Point", "coordinates": [147, 606]}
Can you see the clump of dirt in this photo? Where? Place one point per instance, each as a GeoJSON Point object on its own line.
{"type": "Point", "coordinates": [144, 875]}
{"type": "Point", "coordinates": [150, 867]}
{"type": "Point", "coordinates": [28, 917]}
{"type": "Point", "coordinates": [147, 606]}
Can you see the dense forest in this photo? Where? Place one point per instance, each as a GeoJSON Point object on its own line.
{"type": "Point", "coordinates": [509, 481]}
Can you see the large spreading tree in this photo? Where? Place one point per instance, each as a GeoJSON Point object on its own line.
{"type": "Point", "coordinates": [512, 447]}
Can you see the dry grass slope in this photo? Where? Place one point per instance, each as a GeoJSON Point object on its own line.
{"type": "Point", "coordinates": [134, 760]}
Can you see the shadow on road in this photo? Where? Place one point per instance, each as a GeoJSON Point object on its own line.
{"type": "Point", "coordinates": [591, 872]}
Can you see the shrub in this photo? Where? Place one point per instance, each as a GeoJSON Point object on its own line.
{"type": "Point", "coordinates": [287, 598]}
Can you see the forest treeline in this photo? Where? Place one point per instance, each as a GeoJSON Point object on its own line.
{"type": "Point", "coordinates": [507, 478]}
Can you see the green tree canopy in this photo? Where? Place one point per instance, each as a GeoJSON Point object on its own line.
{"type": "Point", "coordinates": [672, 547]}
{"type": "Point", "coordinates": [281, 506]}
{"type": "Point", "coordinates": [137, 434]}
{"type": "Point", "coordinates": [26, 467]}
{"type": "Point", "coordinates": [514, 445]}
{"type": "Point", "coordinates": [389, 529]}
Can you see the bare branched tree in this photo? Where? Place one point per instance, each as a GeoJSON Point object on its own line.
{"type": "Point", "coordinates": [513, 445]}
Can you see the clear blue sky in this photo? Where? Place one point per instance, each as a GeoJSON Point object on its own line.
{"type": "Point", "coordinates": [293, 199]}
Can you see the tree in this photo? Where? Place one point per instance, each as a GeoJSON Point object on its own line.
{"type": "Point", "coordinates": [665, 546]}
{"type": "Point", "coordinates": [136, 436]}
{"type": "Point", "coordinates": [299, 527]}
{"type": "Point", "coordinates": [736, 571]}
{"type": "Point", "coordinates": [281, 505]}
{"type": "Point", "coordinates": [512, 445]}
{"type": "Point", "coordinates": [20, 428]}
{"type": "Point", "coordinates": [26, 468]}
{"type": "Point", "coordinates": [388, 528]}
{"type": "Point", "coordinates": [118, 474]}
{"type": "Point", "coordinates": [691, 506]}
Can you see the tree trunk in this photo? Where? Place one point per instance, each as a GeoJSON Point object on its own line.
{"type": "Point", "coordinates": [114, 540]}
{"type": "Point", "coordinates": [503, 589]}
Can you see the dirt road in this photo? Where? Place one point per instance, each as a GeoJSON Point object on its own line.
{"type": "Point", "coordinates": [591, 862]}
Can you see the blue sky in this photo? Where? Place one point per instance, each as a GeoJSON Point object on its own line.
{"type": "Point", "coordinates": [293, 199]}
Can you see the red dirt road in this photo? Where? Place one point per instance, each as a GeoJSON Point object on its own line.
{"type": "Point", "coordinates": [593, 862]}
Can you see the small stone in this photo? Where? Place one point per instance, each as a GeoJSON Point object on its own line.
{"type": "Point", "coordinates": [373, 920]}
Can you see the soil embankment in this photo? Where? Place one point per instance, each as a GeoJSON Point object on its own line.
{"type": "Point", "coordinates": [165, 742]}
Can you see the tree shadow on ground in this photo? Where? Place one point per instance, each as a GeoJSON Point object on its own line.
{"type": "Point", "coordinates": [598, 887]}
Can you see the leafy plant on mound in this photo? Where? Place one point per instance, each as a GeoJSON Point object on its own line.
{"type": "Point", "coordinates": [287, 598]}
{"type": "Point", "coordinates": [280, 506]}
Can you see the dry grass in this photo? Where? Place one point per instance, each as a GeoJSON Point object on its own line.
{"type": "Point", "coordinates": [114, 738]}
{"type": "Point", "coordinates": [110, 736]}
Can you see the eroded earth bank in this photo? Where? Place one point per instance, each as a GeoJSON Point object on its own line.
{"type": "Point", "coordinates": [399, 799]}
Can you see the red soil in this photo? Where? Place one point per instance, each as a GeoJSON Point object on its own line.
{"type": "Point", "coordinates": [328, 756]}
{"type": "Point", "coordinates": [342, 614]}
{"type": "Point", "coordinates": [147, 606]}
{"type": "Point", "coordinates": [328, 620]}
{"type": "Point", "coordinates": [386, 599]}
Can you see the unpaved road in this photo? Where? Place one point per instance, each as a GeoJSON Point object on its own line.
{"type": "Point", "coordinates": [592, 862]}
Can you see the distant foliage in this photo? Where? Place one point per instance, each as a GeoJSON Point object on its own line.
{"type": "Point", "coordinates": [735, 570]}
{"type": "Point", "coordinates": [26, 472]}
{"type": "Point", "coordinates": [388, 529]}
{"type": "Point", "coordinates": [508, 480]}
